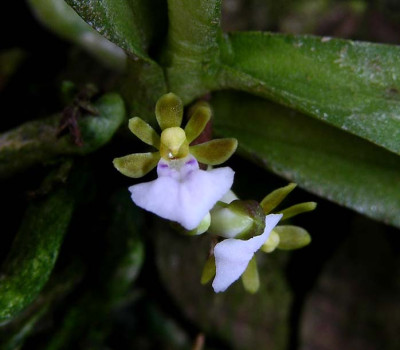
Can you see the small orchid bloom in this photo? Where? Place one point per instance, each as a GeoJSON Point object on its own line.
{"type": "Point", "coordinates": [232, 255]}
{"type": "Point", "coordinates": [236, 220]}
{"type": "Point", "coordinates": [182, 192]}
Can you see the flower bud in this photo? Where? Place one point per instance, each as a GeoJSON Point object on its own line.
{"type": "Point", "coordinates": [238, 219]}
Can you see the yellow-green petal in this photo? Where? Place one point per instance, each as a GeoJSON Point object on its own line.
{"type": "Point", "coordinates": [214, 152]}
{"type": "Point", "coordinates": [297, 209]}
{"type": "Point", "coordinates": [144, 132]}
{"type": "Point", "coordinates": [271, 243]}
{"type": "Point", "coordinates": [272, 200]}
{"type": "Point", "coordinates": [198, 121]}
{"type": "Point", "coordinates": [208, 270]}
{"type": "Point", "coordinates": [169, 111]}
{"type": "Point", "coordinates": [137, 164]}
{"type": "Point", "coordinates": [250, 278]}
{"type": "Point", "coordinates": [292, 237]}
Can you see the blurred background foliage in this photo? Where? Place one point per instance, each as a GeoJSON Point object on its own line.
{"type": "Point", "coordinates": [83, 268]}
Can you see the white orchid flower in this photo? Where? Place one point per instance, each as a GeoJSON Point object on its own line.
{"type": "Point", "coordinates": [233, 255]}
{"type": "Point", "coordinates": [182, 192]}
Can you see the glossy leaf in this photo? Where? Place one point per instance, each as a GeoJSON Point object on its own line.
{"type": "Point", "coordinates": [322, 159]}
{"type": "Point", "coordinates": [130, 24]}
{"type": "Point", "coordinates": [273, 199]}
{"type": "Point", "coordinates": [144, 132]}
{"type": "Point", "coordinates": [352, 85]}
{"type": "Point", "coordinates": [214, 152]}
{"type": "Point", "coordinates": [137, 164]}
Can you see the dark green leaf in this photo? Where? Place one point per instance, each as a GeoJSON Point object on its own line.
{"type": "Point", "coordinates": [320, 158]}
{"type": "Point", "coordinates": [34, 251]}
{"type": "Point", "coordinates": [130, 24]}
{"type": "Point", "coordinates": [354, 86]}
{"type": "Point", "coordinates": [35, 142]}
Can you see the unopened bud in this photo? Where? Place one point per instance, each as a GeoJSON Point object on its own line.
{"type": "Point", "coordinates": [238, 219]}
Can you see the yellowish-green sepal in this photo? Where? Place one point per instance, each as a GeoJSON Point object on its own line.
{"type": "Point", "coordinates": [272, 200]}
{"type": "Point", "coordinates": [144, 132]}
{"type": "Point", "coordinates": [197, 122]}
{"type": "Point", "coordinates": [137, 164]}
{"type": "Point", "coordinates": [169, 111]}
{"type": "Point", "coordinates": [272, 242]}
{"type": "Point", "coordinates": [209, 270]}
{"type": "Point", "coordinates": [297, 209]}
{"type": "Point", "coordinates": [214, 152]}
{"type": "Point", "coordinates": [292, 237]}
{"type": "Point", "coordinates": [250, 278]}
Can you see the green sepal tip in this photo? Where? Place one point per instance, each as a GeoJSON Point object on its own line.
{"type": "Point", "coordinates": [144, 132]}
{"type": "Point", "coordinates": [198, 121]}
{"type": "Point", "coordinates": [292, 237]}
{"type": "Point", "coordinates": [169, 111]}
{"type": "Point", "coordinates": [297, 209]}
{"type": "Point", "coordinates": [209, 270]}
{"type": "Point", "coordinates": [250, 277]}
{"type": "Point", "coordinates": [214, 152]}
{"type": "Point", "coordinates": [137, 164]}
{"type": "Point", "coordinates": [273, 199]}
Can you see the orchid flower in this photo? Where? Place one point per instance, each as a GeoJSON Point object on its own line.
{"type": "Point", "coordinates": [182, 192]}
{"type": "Point", "coordinates": [249, 226]}
{"type": "Point", "coordinates": [232, 256]}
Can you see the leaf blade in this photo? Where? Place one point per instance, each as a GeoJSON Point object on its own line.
{"type": "Point", "coordinates": [322, 159]}
{"type": "Point", "coordinates": [351, 85]}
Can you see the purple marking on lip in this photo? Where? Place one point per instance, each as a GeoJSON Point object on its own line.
{"type": "Point", "coordinates": [163, 166]}
{"type": "Point", "coordinates": [192, 161]}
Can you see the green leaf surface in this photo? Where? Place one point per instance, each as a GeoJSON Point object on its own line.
{"type": "Point", "coordinates": [192, 52]}
{"type": "Point", "coordinates": [322, 159]}
{"type": "Point", "coordinates": [352, 85]}
{"type": "Point", "coordinates": [128, 23]}
{"type": "Point", "coordinates": [34, 251]}
{"type": "Point", "coordinates": [36, 141]}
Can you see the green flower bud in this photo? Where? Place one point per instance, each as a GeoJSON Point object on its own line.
{"type": "Point", "coordinates": [238, 219]}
